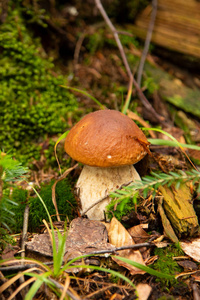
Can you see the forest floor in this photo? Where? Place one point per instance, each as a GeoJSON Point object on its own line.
{"type": "Point", "coordinates": [99, 71]}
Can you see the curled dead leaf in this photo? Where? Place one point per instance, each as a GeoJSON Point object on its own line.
{"type": "Point", "coordinates": [119, 236]}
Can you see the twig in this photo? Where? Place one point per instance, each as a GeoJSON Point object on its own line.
{"type": "Point", "coordinates": [100, 200]}
{"type": "Point", "coordinates": [24, 238]}
{"type": "Point", "coordinates": [78, 49]}
{"type": "Point", "coordinates": [142, 97]}
{"type": "Point", "coordinates": [114, 31]}
{"type": "Point", "coordinates": [25, 229]}
{"type": "Point", "coordinates": [22, 267]}
{"type": "Point", "coordinates": [114, 250]}
{"type": "Point", "coordinates": [135, 247]}
{"type": "Point", "coordinates": [63, 176]}
{"type": "Point", "coordinates": [125, 33]}
{"type": "Point", "coordinates": [147, 42]}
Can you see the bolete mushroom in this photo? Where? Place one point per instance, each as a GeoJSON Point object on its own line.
{"type": "Point", "coordinates": [108, 143]}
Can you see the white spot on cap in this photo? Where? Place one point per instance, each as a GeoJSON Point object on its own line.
{"type": "Point", "coordinates": [109, 156]}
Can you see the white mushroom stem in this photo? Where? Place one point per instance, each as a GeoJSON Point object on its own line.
{"type": "Point", "coordinates": [97, 183]}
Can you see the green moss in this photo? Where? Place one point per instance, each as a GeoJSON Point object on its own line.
{"type": "Point", "coordinates": [65, 201]}
{"type": "Point", "coordinates": [166, 264]}
{"type": "Point", "coordinates": [33, 105]}
{"type": "Point", "coordinates": [120, 209]}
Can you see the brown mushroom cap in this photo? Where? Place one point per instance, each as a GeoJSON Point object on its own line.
{"type": "Point", "coordinates": [106, 138]}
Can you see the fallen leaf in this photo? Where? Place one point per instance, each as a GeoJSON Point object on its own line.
{"type": "Point", "coordinates": [188, 265]}
{"type": "Point", "coordinates": [119, 236]}
{"type": "Point", "coordinates": [143, 291]}
{"type": "Point", "coordinates": [161, 244]}
{"type": "Point", "coordinates": [192, 248]}
{"type": "Point", "coordinates": [138, 234]}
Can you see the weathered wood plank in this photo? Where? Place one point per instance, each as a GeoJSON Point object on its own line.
{"type": "Point", "coordinates": [177, 26]}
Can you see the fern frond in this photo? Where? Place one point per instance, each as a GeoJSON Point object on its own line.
{"type": "Point", "coordinates": [153, 181]}
{"type": "Point", "coordinates": [12, 170]}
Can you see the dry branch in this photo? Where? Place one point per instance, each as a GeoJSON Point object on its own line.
{"type": "Point", "coordinates": [142, 97]}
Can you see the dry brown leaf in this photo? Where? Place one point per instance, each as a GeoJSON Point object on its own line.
{"type": "Point", "coordinates": [161, 244]}
{"type": "Point", "coordinates": [192, 248]}
{"type": "Point", "coordinates": [119, 236]}
{"type": "Point", "coordinates": [188, 265]}
{"type": "Point", "coordinates": [143, 290]}
{"type": "Point", "coordinates": [138, 234]}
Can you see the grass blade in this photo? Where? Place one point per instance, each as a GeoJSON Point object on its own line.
{"type": "Point", "coordinates": [169, 143]}
{"type": "Point", "coordinates": [145, 268]}
{"type": "Point", "coordinates": [85, 94]}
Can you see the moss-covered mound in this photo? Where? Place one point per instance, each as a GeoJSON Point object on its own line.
{"type": "Point", "coordinates": [66, 203]}
{"type": "Point", "coordinates": [33, 105]}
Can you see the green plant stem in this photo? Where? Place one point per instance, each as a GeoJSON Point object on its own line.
{"type": "Point", "coordinates": [169, 143]}
{"type": "Point", "coordinates": [86, 94]}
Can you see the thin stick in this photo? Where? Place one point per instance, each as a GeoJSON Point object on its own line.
{"type": "Point", "coordinates": [147, 42]}
{"type": "Point", "coordinates": [114, 250]}
{"type": "Point", "coordinates": [64, 175]}
{"type": "Point", "coordinates": [24, 238]}
{"type": "Point", "coordinates": [21, 267]}
{"type": "Point", "coordinates": [142, 97]}
{"type": "Point", "coordinates": [25, 230]}
{"type": "Point", "coordinates": [78, 49]}
{"type": "Point", "coordinates": [135, 247]}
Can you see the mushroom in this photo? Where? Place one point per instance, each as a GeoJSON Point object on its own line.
{"type": "Point", "coordinates": [108, 143]}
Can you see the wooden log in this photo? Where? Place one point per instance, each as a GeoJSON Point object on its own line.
{"type": "Point", "coordinates": [179, 210]}
{"type": "Point", "coordinates": [174, 21]}
{"type": "Point", "coordinates": [190, 7]}
{"type": "Point", "coordinates": [171, 41]}
{"type": "Point", "coordinates": [176, 27]}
